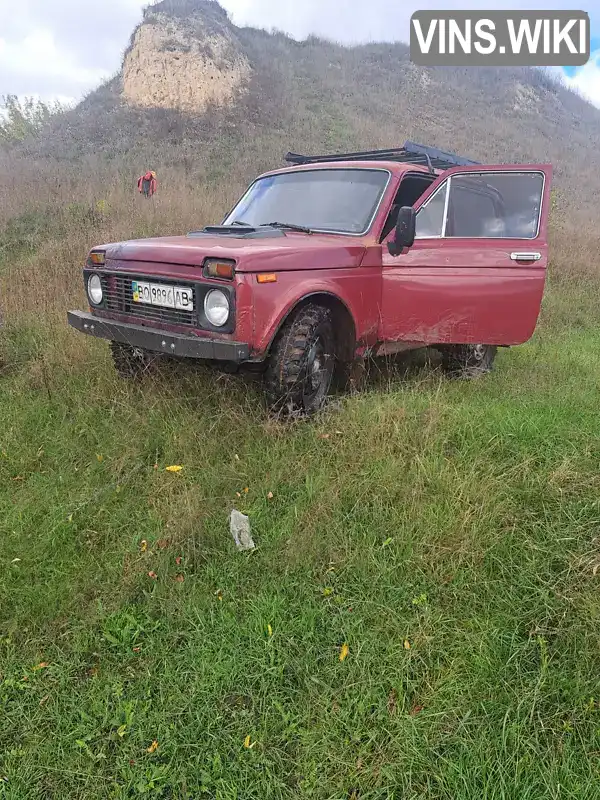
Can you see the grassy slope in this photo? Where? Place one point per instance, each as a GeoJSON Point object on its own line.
{"type": "Point", "coordinates": [459, 518]}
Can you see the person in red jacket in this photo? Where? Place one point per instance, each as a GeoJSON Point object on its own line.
{"type": "Point", "coordinates": [147, 184]}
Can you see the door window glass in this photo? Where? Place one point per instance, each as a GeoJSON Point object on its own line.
{"type": "Point", "coordinates": [430, 217]}
{"type": "Point", "coordinates": [503, 205]}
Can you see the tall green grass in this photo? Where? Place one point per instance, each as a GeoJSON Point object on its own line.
{"type": "Point", "coordinates": [446, 532]}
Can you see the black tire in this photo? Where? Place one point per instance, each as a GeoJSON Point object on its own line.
{"type": "Point", "coordinates": [468, 360]}
{"type": "Point", "coordinates": [132, 362]}
{"type": "Point", "coordinates": [302, 362]}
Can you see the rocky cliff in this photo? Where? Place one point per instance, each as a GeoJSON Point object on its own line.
{"type": "Point", "coordinates": [188, 63]}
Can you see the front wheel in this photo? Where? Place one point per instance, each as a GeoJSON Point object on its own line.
{"type": "Point", "coordinates": [301, 366]}
{"type": "Point", "coordinates": [468, 360]}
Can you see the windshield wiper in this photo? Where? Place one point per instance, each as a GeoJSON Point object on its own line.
{"type": "Point", "coordinates": [287, 225]}
{"type": "Point", "coordinates": [241, 222]}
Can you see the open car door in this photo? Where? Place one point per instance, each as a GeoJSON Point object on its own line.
{"type": "Point", "coordinates": [476, 272]}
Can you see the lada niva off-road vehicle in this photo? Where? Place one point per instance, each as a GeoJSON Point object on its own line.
{"type": "Point", "coordinates": [332, 259]}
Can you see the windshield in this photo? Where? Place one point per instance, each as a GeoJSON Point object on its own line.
{"type": "Point", "coordinates": [338, 200]}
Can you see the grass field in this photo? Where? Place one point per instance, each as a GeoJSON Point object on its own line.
{"type": "Point", "coordinates": [447, 533]}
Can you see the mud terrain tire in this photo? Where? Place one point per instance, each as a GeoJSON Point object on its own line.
{"type": "Point", "coordinates": [302, 362]}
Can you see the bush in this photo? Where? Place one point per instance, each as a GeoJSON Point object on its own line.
{"type": "Point", "coordinates": [24, 118]}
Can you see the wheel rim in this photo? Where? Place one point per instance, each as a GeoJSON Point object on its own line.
{"type": "Point", "coordinates": [318, 374]}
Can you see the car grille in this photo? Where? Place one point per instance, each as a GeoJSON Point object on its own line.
{"type": "Point", "coordinates": [118, 297]}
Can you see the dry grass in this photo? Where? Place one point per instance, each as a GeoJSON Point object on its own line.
{"type": "Point", "coordinates": [49, 230]}
{"type": "Point", "coordinates": [315, 96]}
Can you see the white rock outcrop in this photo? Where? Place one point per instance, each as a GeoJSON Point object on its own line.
{"type": "Point", "coordinates": [168, 67]}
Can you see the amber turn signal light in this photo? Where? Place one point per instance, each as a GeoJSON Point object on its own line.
{"type": "Point", "coordinates": [219, 269]}
{"type": "Point", "coordinates": [267, 277]}
{"type": "Point", "coordinates": [97, 259]}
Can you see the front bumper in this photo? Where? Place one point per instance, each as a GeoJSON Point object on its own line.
{"type": "Point", "coordinates": [173, 344]}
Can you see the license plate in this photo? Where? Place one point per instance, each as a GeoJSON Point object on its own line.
{"type": "Point", "coordinates": [159, 294]}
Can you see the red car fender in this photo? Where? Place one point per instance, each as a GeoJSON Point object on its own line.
{"type": "Point", "coordinates": [274, 302]}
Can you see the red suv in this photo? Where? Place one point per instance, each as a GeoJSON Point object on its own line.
{"type": "Point", "coordinates": [332, 259]}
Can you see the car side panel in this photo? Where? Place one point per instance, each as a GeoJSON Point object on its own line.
{"type": "Point", "coordinates": [358, 289]}
{"type": "Point", "coordinates": [452, 291]}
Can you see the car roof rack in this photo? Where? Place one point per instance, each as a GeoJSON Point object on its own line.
{"type": "Point", "coordinates": [411, 153]}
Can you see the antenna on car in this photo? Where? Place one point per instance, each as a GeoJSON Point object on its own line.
{"type": "Point", "coordinates": [411, 153]}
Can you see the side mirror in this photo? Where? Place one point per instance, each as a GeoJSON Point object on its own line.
{"type": "Point", "coordinates": [406, 228]}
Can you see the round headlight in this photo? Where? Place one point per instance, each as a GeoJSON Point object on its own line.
{"type": "Point", "coordinates": [216, 307]}
{"type": "Point", "coordinates": [95, 289]}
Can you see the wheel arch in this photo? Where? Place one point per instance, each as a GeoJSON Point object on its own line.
{"type": "Point", "coordinates": [343, 321]}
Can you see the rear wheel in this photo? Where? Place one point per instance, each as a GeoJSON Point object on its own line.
{"type": "Point", "coordinates": [468, 360]}
{"type": "Point", "coordinates": [132, 362]}
{"type": "Point", "coordinates": [302, 363]}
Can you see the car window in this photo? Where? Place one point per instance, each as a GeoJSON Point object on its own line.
{"type": "Point", "coordinates": [430, 217]}
{"type": "Point", "coordinates": [411, 188]}
{"type": "Point", "coordinates": [469, 211]}
{"type": "Point", "coordinates": [495, 205]}
{"type": "Point", "coordinates": [339, 200]}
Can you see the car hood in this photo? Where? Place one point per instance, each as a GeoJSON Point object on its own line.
{"type": "Point", "coordinates": [281, 251]}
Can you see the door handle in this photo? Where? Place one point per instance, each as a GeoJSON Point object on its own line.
{"type": "Point", "coordinates": [525, 256]}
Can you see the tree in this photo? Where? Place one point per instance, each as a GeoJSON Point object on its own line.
{"type": "Point", "coordinates": [23, 117]}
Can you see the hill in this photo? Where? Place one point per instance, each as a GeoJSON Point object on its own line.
{"type": "Point", "coordinates": [204, 102]}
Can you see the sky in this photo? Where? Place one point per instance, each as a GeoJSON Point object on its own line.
{"type": "Point", "coordinates": [61, 49]}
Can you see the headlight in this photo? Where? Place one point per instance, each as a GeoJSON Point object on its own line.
{"type": "Point", "coordinates": [95, 289]}
{"type": "Point", "coordinates": [216, 307]}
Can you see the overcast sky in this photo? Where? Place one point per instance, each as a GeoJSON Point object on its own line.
{"type": "Point", "coordinates": [63, 48]}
